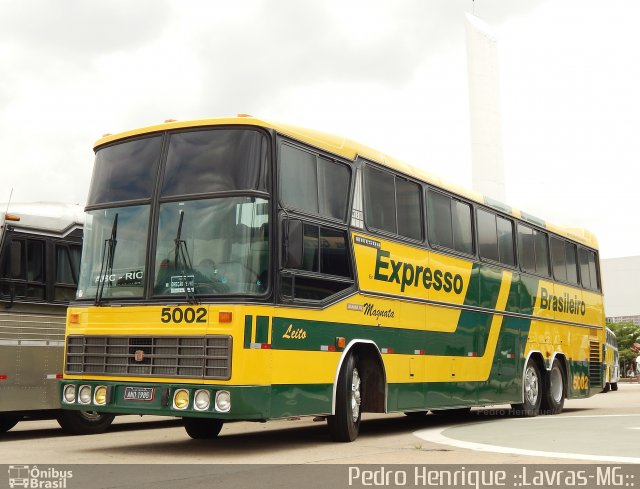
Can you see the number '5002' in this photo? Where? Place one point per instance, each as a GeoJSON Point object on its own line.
{"type": "Point", "coordinates": [186, 315]}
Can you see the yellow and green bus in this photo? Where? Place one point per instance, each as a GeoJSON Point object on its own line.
{"type": "Point", "coordinates": [611, 361]}
{"type": "Point", "coordinates": [239, 269]}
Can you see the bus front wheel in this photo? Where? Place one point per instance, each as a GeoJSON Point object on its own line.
{"type": "Point", "coordinates": [531, 391]}
{"type": "Point", "coordinates": [345, 424]}
{"type": "Point", "coordinates": [84, 422]}
{"type": "Point", "coordinates": [202, 428]}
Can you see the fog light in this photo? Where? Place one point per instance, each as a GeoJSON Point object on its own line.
{"type": "Point", "coordinates": [181, 399]}
{"type": "Point", "coordinates": [202, 400]}
{"type": "Point", "coordinates": [223, 401]}
{"type": "Point", "coordinates": [69, 393]}
{"type": "Point", "coordinates": [84, 394]}
{"type": "Point", "coordinates": [100, 395]}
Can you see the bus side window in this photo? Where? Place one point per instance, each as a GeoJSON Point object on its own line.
{"type": "Point", "coordinates": [324, 262]}
{"type": "Point", "coordinates": [23, 270]}
{"type": "Point", "coordinates": [15, 261]}
{"type": "Point", "coordinates": [495, 238]}
{"type": "Point", "coordinates": [67, 268]}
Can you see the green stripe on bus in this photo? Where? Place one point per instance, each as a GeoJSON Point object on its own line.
{"type": "Point", "coordinates": [471, 334]}
{"type": "Point", "coordinates": [248, 329]}
{"type": "Point", "coordinates": [262, 329]}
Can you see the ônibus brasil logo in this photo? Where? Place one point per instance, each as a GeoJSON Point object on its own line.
{"type": "Point", "coordinates": [33, 477]}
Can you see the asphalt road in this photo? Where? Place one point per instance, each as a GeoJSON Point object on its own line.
{"type": "Point", "coordinates": [604, 428]}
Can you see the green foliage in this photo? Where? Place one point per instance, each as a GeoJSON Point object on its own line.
{"type": "Point", "coordinates": [626, 334]}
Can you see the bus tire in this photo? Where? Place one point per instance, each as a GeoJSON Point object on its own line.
{"type": "Point", "coordinates": [202, 428]}
{"type": "Point", "coordinates": [84, 422]}
{"type": "Point", "coordinates": [344, 426]}
{"type": "Point", "coordinates": [8, 421]}
{"type": "Point", "coordinates": [614, 386]}
{"type": "Point", "coordinates": [554, 390]}
{"type": "Point", "coordinates": [531, 391]}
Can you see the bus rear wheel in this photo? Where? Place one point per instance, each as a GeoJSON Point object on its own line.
{"type": "Point", "coordinates": [202, 428]}
{"type": "Point", "coordinates": [84, 422]}
{"type": "Point", "coordinates": [554, 390]}
{"type": "Point", "coordinates": [345, 424]}
{"type": "Point", "coordinates": [532, 388]}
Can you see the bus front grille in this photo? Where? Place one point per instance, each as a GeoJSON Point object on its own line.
{"type": "Point", "coordinates": [207, 357]}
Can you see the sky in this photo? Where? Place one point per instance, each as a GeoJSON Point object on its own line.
{"type": "Point", "coordinates": [390, 74]}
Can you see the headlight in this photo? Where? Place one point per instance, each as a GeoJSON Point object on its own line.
{"type": "Point", "coordinates": [223, 401]}
{"type": "Point", "coordinates": [100, 395]}
{"type": "Point", "coordinates": [202, 400]}
{"type": "Point", "coordinates": [69, 393]}
{"type": "Point", "coordinates": [181, 399]}
{"type": "Point", "coordinates": [84, 394]}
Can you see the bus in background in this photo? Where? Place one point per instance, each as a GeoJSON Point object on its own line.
{"type": "Point", "coordinates": [40, 246]}
{"type": "Point", "coordinates": [611, 362]}
{"type": "Point", "coordinates": [238, 269]}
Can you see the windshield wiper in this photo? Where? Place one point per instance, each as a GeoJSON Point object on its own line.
{"type": "Point", "coordinates": [108, 254]}
{"type": "Point", "coordinates": [182, 257]}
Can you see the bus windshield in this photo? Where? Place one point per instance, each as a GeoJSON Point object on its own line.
{"type": "Point", "coordinates": [212, 246]}
{"type": "Point", "coordinates": [202, 205]}
{"type": "Point", "coordinates": [114, 251]}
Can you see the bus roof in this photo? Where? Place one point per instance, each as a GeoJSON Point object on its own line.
{"type": "Point", "coordinates": [50, 218]}
{"type": "Point", "coordinates": [349, 149]}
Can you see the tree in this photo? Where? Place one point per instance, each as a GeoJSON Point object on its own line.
{"type": "Point", "coordinates": [627, 334]}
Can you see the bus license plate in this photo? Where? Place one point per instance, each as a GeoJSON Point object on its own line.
{"type": "Point", "coordinates": [139, 393]}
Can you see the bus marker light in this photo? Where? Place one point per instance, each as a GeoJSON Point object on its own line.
{"type": "Point", "coordinates": [245, 115]}
{"type": "Point", "coordinates": [327, 348]}
{"type": "Point", "coordinates": [181, 399]}
{"type": "Point", "coordinates": [84, 394]}
{"type": "Point", "coordinates": [74, 318]}
{"type": "Point", "coordinates": [202, 400]}
{"type": "Point", "coordinates": [225, 316]}
{"type": "Point", "coordinates": [472, 354]}
{"type": "Point", "coordinates": [341, 342]}
{"type": "Point", "coordinates": [100, 395]}
{"type": "Point", "coordinates": [223, 401]}
{"type": "Point", "coordinates": [169, 120]}
{"type": "Point", "coordinates": [3, 377]}
{"type": "Point", "coordinates": [69, 393]}
{"type": "Point", "coordinates": [11, 217]}
{"type": "Point", "coordinates": [418, 352]}
{"type": "Point", "coordinates": [386, 350]}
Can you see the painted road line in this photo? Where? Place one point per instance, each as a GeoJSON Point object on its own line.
{"type": "Point", "coordinates": [437, 435]}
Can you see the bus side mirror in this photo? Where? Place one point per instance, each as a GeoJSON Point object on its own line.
{"type": "Point", "coordinates": [293, 243]}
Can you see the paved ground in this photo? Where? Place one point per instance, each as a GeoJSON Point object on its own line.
{"type": "Point", "coordinates": [604, 425]}
{"type": "Point", "coordinates": [588, 430]}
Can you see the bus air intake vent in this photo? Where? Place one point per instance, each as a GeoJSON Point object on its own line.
{"type": "Point", "coordinates": [595, 366]}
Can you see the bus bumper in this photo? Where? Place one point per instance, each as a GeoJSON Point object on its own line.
{"type": "Point", "coordinates": [190, 400]}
